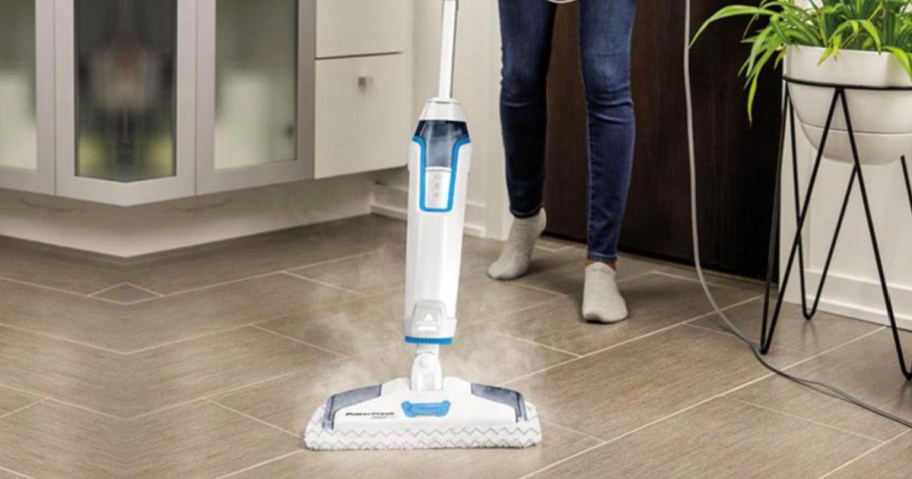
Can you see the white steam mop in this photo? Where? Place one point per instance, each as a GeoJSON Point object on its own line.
{"type": "Point", "coordinates": [427, 410]}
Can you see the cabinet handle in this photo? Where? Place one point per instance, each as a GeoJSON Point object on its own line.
{"type": "Point", "coordinates": [364, 82]}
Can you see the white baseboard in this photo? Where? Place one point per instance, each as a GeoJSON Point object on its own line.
{"type": "Point", "coordinates": [392, 201]}
{"type": "Point", "coordinates": [147, 229]}
{"type": "Point", "coordinates": [856, 297]}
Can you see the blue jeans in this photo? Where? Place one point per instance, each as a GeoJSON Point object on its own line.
{"type": "Point", "coordinates": [605, 31]}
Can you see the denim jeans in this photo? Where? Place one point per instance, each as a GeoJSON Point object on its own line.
{"type": "Point", "coordinates": [605, 31]}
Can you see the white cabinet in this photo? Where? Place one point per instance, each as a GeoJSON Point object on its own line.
{"type": "Point", "coordinates": [27, 95]}
{"type": "Point", "coordinates": [128, 102]}
{"type": "Point", "coordinates": [362, 114]}
{"type": "Point", "coordinates": [362, 27]}
{"type": "Point", "coordinates": [363, 80]}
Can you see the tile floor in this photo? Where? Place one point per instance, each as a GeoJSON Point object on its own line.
{"type": "Point", "coordinates": [207, 362]}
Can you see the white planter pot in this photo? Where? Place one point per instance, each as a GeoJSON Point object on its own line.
{"type": "Point", "coordinates": [881, 120]}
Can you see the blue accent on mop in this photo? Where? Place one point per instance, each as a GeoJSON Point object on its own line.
{"type": "Point", "coordinates": [438, 136]}
{"type": "Point", "coordinates": [435, 409]}
{"type": "Point", "coordinates": [440, 341]}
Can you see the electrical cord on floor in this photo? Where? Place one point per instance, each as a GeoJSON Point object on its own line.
{"type": "Point", "coordinates": [815, 385]}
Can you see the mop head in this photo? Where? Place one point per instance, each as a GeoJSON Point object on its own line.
{"type": "Point", "coordinates": [460, 416]}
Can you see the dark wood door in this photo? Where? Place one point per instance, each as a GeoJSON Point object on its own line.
{"type": "Point", "coordinates": [736, 160]}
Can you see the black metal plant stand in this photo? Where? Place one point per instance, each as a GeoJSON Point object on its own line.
{"type": "Point", "coordinates": [801, 211]}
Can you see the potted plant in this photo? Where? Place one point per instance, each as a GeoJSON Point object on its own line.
{"type": "Point", "coordinates": [837, 42]}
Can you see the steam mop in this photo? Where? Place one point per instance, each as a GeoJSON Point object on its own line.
{"type": "Point", "coordinates": [427, 410]}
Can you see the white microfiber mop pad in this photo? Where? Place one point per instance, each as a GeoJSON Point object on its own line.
{"type": "Point", "coordinates": [523, 434]}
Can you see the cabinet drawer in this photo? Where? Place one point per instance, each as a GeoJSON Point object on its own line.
{"type": "Point", "coordinates": [362, 115]}
{"type": "Point", "coordinates": [361, 27]}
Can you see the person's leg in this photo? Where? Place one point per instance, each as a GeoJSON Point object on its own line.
{"type": "Point", "coordinates": [605, 34]}
{"type": "Point", "coordinates": [526, 30]}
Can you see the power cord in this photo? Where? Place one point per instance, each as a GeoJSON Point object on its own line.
{"type": "Point", "coordinates": [815, 385]}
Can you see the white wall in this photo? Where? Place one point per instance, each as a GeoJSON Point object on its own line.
{"type": "Point", "coordinates": [477, 86]}
{"type": "Point", "coordinates": [852, 288]}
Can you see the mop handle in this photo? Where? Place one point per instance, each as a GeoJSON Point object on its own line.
{"type": "Point", "coordinates": [448, 49]}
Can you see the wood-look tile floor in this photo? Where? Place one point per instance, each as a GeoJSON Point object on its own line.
{"type": "Point", "coordinates": [207, 362]}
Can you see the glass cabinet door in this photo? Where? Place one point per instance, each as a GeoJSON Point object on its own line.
{"type": "Point", "coordinates": [126, 71]}
{"type": "Point", "coordinates": [125, 89]}
{"type": "Point", "coordinates": [255, 81]}
{"type": "Point", "coordinates": [26, 89]}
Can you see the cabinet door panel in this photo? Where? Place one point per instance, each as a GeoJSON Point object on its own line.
{"type": "Point", "coordinates": [255, 93]}
{"type": "Point", "coordinates": [26, 95]}
{"type": "Point", "coordinates": [362, 114]}
{"type": "Point", "coordinates": [126, 93]}
{"type": "Point", "coordinates": [362, 27]}
{"type": "Point", "coordinates": [126, 84]}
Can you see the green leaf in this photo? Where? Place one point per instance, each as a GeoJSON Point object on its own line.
{"type": "Point", "coordinates": [904, 59]}
{"type": "Point", "coordinates": [728, 12]}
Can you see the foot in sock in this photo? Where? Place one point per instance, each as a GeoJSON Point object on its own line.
{"type": "Point", "coordinates": [517, 252]}
{"type": "Point", "coordinates": [602, 301]}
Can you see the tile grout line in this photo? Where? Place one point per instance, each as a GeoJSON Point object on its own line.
{"type": "Point", "coordinates": [165, 409]}
{"type": "Point", "coordinates": [614, 346]}
{"type": "Point", "coordinates": [575, 431]}
{"type": "Point", "coordinates": [696, 280]}
{"type": "Point", "coordinates": [548, 368]}
{"type": "Point", "coordinates": [62, 339]}
{"type": "Point", "coordinates": [519, 282]}
{"type": "Point", "coordinates": [533, 343]}
{"type": "Point", "coordinates": [499, 316]}
{"type": "Point", "coordinates": [187, 339]}
{"type": "Point", "coordinates": [299, 341]}
{"type": "Point", "coordinates": [218, 284]}
{"type": "Point", "coordinates": [270, 461]}
{"type": "Point", "coordinates": [24, 391]}
{"type": "Point", "coordinates": [533, 288]}
{"type": "Point", "coordinates": [687, 408]}
{"type": "Point", "coordinates": [53, 399]}
{"type": "Point", "coordinates": [554, 250]}
{"type": "Point", "coordinates": [41, 286]}
{"type": "Point", "coordinates": [341, 258]}
{"type": "Point", "coordinates": [23, 408]}
{"type": "Point", "coordinates": [726, 308]}
{"type": "Point", "coordinates": [143, 288]}
{"type": "Point", "coordinates": [17, 474]}
{"type": "Point", "coordinates": [730, 307]}
{"type": "Point", "coordinates": [807, 420]}
{"type": "Point", "coordinates": [636, 276]}
{"type": "Point", "coordinates": [566, 459]}
{"type": "Point", "coordinates": [826, 351]}
{"type": "Point", "coordinates": [119, 303]}
{"type": "Point", "coordinates": [102, 290]}
{"type": "Point", "coordinates": [864, 454]}
{"type": "Point", "coordinates": [728, 334]}
{"type": "Point", "coordinates": [43, 398]}
{"type": "Point", "coordinates": [263, 275]}
{"type": "Point", "coordinates": [247, 416]}
{"type": "Point", "coordinates": [323, 283]}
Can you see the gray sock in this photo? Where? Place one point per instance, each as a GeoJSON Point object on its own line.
{"type": "Point", "coordinates": [517, 252]}
{"type": "Point", "coordinates": [602, 301]}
